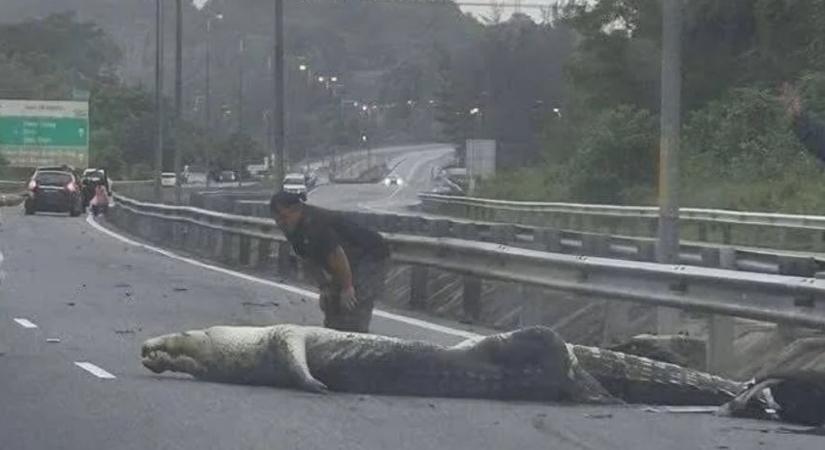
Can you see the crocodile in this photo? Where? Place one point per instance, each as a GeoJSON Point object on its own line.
{"type": "Point", "coordinates": [532, 363]}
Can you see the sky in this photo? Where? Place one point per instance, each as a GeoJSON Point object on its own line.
{"type": "Point", "coordinates": [478, 11]}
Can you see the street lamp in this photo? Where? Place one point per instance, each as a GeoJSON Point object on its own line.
{"type": "Point", "coordinates": [302, 67]}
{"type": "Point", "coordinates": [208, 86]}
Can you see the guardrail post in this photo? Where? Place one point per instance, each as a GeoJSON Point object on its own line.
{"type": "Point", "coordinates": [547, 239]}
{"type": "Point", "coordinates": [721, 330]}
{"type": "Point", "coordinates": [265, 247]}
{"type": "Point", "coordinates": [595, 244]}
{"type": "Point", "coordinates": [244, 250]}
{"type": "Point", "coordinates": [646, 251]}
{"type": "Point", "coordinates": [466, 231]}
{"type": "Point", "coordinates": [795, 266]}
{"type": "Point", "coordinates": [502, 233]}
{"type": "Point", "coordinates": [253, 256]}
{"type": "Point", "coordinates": [471, 286]}
{"type": "Point", "coordinates": [219, 244]}
{"type": "Point", "coordinates": [418, 287]}
{"type": "Point", "coordinates": [727, 237]}
{"type": "Point", "coordinates": [234, 248]}
{"type": "Point", "coordinates": [440, 228]}
{"type": "Point", "coordinates": [286, 266]}
{"type": "Point", "coordinates": [471, 298]}
{"type": "Point", "coordinates": [712, 256]}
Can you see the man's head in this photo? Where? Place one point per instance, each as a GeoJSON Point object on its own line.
{"type": "Point", "coordinates": [287, 209]}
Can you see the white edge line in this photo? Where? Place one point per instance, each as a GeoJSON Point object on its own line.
{"type": "Point", "coordinates": [94, 370]}
{"type": "Point", "coordinates": [295, 290]}
{"type": "Point", "coordinates": [25, 323]}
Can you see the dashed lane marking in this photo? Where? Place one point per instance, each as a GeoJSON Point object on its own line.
{"type": "Point", "coordinates": [95, 370]}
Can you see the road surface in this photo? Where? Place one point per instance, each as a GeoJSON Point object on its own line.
{"type": "Point", "coordinates": [413, 164]}
{"type": "Point", "coordinates": [100, 297]}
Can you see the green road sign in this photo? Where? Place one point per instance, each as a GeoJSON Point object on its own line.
{"type": "Point", "coordinates": [43, 132]}
{"type": "Point", "coordinates": [35, 133]}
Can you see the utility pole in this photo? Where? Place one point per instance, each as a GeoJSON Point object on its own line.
{"type": "Point", "coordinates": [667, 248]}
{"type": "Point", "coordinates": [209, 88]}
{"type": "Point", "coordinates": [278, 95]}
{"type": "Point", "coordinates": [241, 50]}
{"type": "Point", "coordinates": [178, 95]}
{"type": "Point", "coordinates": [158, 97]}
{"type": "Point", "coordinates": [208, 105]}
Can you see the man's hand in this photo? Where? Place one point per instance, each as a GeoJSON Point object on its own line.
{"type": "Point", "coordinates": [791, 100]}
{"type": "Point", "coordinates": [348, 299]}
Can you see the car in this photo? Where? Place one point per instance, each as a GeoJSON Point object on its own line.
{"type": "Point", "coordinates": [54, 191]}
{"type": "Point", "coordinates": [167, 179]}
{"type": "Point", "coordinates": [296, 183]}
{"type": "Point", "coordinates": [393, 180]}
{"type": "Point", "coordinates": [227, 175]}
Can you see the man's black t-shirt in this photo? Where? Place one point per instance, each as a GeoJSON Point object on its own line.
{"type": "Point", "coordinates": [321, 231]}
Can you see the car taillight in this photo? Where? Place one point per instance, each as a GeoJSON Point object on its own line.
{"type": "Point", "coordinates": [71, 187]}
{"type": "Point", "coordinates": [32, 185]}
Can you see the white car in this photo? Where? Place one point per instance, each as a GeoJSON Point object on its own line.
{"type": "Point", "coordinates": [296, 183]}
{"type": "Point", "coordinates": [167, 179]}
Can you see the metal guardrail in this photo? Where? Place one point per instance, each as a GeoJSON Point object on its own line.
{"type": "Point", "coordinates": [782, 299]}
{"type": "Point", "coordinates": [716, 215]}
{"type": "Point", "coordinates": [769, 230]}
{"type": "Point", "coordinates": [566, 241]}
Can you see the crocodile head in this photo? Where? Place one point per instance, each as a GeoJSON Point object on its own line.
{"type": "Point", "coordinates": [178, 352]}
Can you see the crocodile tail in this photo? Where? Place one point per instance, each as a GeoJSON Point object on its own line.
{"type": "Point", "coordinates": [636, 379]}
{"type": "Point", "coordinates": [586, 389]}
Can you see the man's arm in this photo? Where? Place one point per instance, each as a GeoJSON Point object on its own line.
{"type": "Point", "coordinates": [338, 264]}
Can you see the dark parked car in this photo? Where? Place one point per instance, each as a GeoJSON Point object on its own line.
{"type": "Point", "coordinates": [54, 191]}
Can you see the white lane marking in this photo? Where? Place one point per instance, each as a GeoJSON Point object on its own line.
{"type": "Point", "coordinates": [286, 287]}
{"type": "Point", "coordinates": [25, 323]}
{"type": "Point", "coordinates": [94, 370]}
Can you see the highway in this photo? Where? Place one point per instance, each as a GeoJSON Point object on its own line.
{"type": "Point", "coordinates": [77, 302]}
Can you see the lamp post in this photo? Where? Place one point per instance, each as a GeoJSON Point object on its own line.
{"type": "Point", "coordinates": [158, 97]}
{"type": "Point", "coordinates": [209, 88]}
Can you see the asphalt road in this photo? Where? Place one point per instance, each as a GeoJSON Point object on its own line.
{"type": "Point", "coordinates": [413, 164]}
{"type": "Point", "coordinates": [101, 297]}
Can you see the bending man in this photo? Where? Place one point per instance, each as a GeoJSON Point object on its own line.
{"type": "Point", "coordinates": [348, 261]}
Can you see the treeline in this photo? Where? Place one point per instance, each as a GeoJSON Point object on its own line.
{"type": "Point", "coordinates": [738, 148]}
